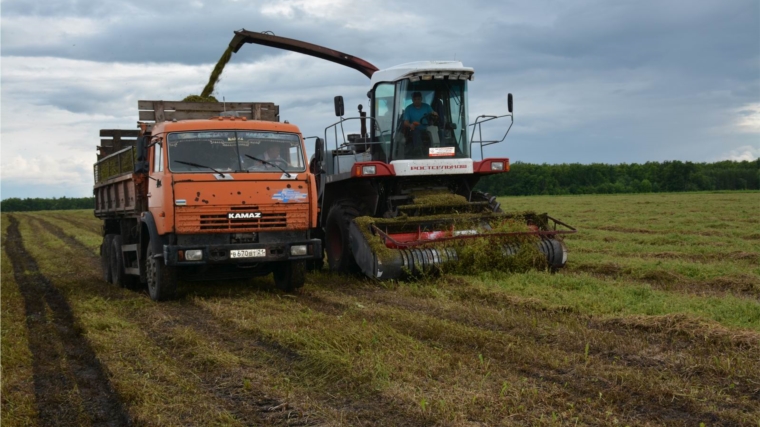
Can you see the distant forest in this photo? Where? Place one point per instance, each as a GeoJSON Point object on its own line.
{"type": "Point", "coordinates": [524, 179]}
{"type": "Point", "coordinates": [15, 204]}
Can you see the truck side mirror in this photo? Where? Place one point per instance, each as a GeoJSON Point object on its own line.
{"type": "Point", "coordinates": [319, 150]}
{"type": "Point", "coordinates": [141, 165]}
{"type": "Point", "coordinates": [339, 106]}
{"type": "Point", "coordinates": [509, 102]}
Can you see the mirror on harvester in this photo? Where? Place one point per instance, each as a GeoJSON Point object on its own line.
{"type": "Point", "coordinates": [509, 102]}
{"type": "Point", "coordinates": [339, 106]}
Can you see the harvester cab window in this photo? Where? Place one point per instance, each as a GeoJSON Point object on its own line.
{"type": "Point", "coordinates": [384, 111]}
{"type": "Point", "coordinates": [440, 119]}
{"type": "Point", "coordinates": [382, 126]}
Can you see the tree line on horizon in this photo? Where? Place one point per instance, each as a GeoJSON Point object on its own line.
{"type": "Point", "coordinates": [526, 179]}
{"type": "Point", "coordinates": [15, 204]}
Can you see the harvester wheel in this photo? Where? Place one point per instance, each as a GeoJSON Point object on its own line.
{"type": "Point", "coordinates": [492, 203]}
{"type": "Point", "coordinates": [289, 275]}
{"type": "Point", "coordinates": [118, 275]}
{"type": "Point", "coordinates": [105, 257]}
{"type": "Point", "coordinates": [162, 279]}
{"type": "Point", "coordinates": [339, 255]}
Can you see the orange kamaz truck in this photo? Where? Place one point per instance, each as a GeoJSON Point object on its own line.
{"type": "Point", "coordinates": [205, 191]}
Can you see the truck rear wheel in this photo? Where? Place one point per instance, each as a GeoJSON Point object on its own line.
{"type": "Point", "coordinates": [339, 255]}
{"type": "Point", "coordinates": [289, 275]}
{"type": "Point", "coordinates": [105, 257]}
{"type": "Point", "coordinates": [162, 279]}
{"type": "Point", "coordinates": [118, 276]}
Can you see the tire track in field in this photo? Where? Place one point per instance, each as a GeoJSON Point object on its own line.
{"type": "Point", "coordinates": [225, 385]}
{"type": "Point", "coordinates": [91, 226]}
{"type": "Point", "coordinates": [623, 353]}
{"type": "Point", "coordinates": [261, 408]}
{"type": "Point", "coordinates": [75, 370]}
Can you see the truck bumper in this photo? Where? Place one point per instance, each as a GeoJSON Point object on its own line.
{"type": "Point", "coordinates": [221, 254]}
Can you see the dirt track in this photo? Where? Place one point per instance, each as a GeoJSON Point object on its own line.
{"type": "Point", "coordinates": [66, 371]}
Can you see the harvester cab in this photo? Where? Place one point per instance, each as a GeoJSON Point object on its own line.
{"type": "Point", "coordinates": [397, 198]}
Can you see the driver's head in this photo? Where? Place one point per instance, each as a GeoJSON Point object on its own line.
{"type": "Point", "coordinates": [417, 99]}
{"type": "Point", "coordinates": [273, 151]}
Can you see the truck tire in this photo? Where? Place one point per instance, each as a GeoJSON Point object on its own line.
{"type": "Point", "coordinates": [118, 276]}
{"type": "Point", "coordinates": [289, 275]}
{"type": "Point", "coordinates": [339, 255]}
{"type": "Point", "coordinates": [105, 257]}
{"type": "Point", "coordinates": [162, 279]}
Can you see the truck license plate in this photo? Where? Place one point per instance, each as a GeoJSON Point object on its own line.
{"type": "Point", "coordinates": [248, 253]}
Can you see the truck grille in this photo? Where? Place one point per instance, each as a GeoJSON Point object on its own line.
{"type": "Point", "coordinates": [215, 219]}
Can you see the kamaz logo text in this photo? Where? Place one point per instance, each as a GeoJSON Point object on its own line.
{"type": "Point", "coordinates": [437, 167]}
{"type": "Point", "coordinates": [243, 215]}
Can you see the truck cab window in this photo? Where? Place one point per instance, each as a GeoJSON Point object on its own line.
{"type": "Point", "coordinates": [158, 158]}
{"type": "Point", "coordinates": [235, 151]}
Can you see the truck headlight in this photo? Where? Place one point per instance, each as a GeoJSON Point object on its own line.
{"type": "Point", "coordinates": [193, 255]}
{"type": "Point", "coordinates": [298, 250]}
{"type": "Point", "coordinates": [497, 166]}
{"type": "Point", "coordinates": [369, 170]}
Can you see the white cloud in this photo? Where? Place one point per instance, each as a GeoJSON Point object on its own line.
{"type": "Point", "coordinates": [744, 153]}
{"type": "Point", "coordinates": [749, 119]}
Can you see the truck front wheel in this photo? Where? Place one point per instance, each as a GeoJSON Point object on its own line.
{"type": "Point", "coordinates": [289, 275]}
{"type": "Point", "coordinates": [162, 279]}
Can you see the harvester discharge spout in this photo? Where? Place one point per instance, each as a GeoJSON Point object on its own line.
{"type": "Point", "coordinates": [265, 39]}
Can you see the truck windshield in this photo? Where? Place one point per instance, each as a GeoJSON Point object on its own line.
{"type": "Point", "coordinates": [228, 151]}
{"type": "Point", "coordinates": [438, 110]}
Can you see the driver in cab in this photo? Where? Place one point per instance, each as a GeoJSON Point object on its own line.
{"type": "Point", "coordinates": [271, 156]}
{"type": "Point", "coordinates": [413, 115]}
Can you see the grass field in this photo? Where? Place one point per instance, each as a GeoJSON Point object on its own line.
{"type": "Point", "coordinates": [655, 321]}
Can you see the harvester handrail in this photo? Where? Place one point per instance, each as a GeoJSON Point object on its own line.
{"type": "Point", "coordinates": [345, 143]}
{"type": "Point", "coordinates": [478, 125]}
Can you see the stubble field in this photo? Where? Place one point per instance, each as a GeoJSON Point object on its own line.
{"type": "Point", "coordinates": [655, 321]}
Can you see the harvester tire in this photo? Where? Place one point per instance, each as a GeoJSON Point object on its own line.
{"type": "Point", "coordinates": [118, 276]}
{"type": "Point", "coordinates": [289, 275]}
{"type": "Point", "coordinates": [105, 257]}
{"type": "Point", "coordinates": [492, 203]}
{"type": "Point", "coordinates": [337, 243]}
{"type": "Point", "coordinates": [162, 279]}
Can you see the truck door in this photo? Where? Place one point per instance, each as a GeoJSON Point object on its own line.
{"type": "Point", "coordinates": [157, 186]}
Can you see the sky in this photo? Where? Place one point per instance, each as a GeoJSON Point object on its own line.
{"type": "Point", "coordinates": [594, 81]}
